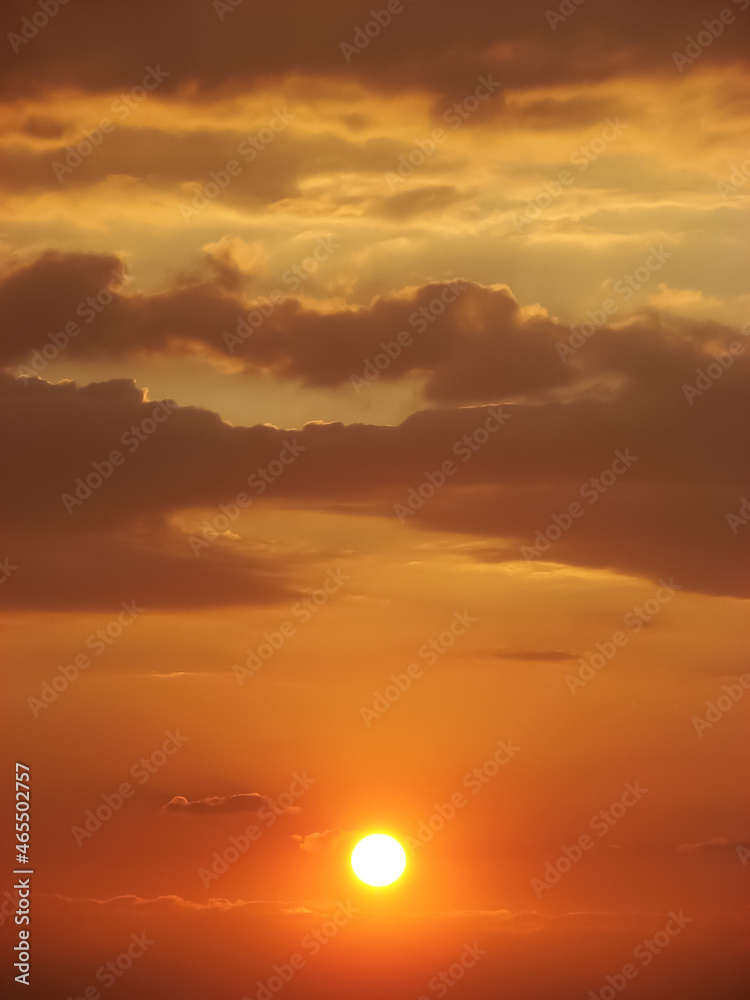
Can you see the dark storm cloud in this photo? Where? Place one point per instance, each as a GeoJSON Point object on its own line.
{"type": "Point", "coordinates": [474, 340]}
{"type": "Point", "coordinates": [666, 516]}
{"type": "Point", "coordinates": [473, 344]}
{"type": "Point", "coordinates": [63, 569]}
{"type": "Point", "coordinates": [99, 46]}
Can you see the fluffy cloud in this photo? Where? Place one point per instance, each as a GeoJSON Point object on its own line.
{"type": "Point", "coordinates": [474, 344]}
{"type": "Point", "coordinates": [475, 341]}
{"type": "Point", "coordinates": [218, 805]}
{"type": "Point", "coordinates": [327, 840]}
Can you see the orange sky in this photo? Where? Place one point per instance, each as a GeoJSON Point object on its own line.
{"type": "Point", "coordinates": [375, 460]}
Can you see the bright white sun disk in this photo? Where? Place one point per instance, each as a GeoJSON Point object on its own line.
{"type": "Point", "coordinates": [378, 859]}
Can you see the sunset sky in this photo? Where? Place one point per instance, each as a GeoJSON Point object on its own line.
{"type": "Point", "coordinates": [375, 395]}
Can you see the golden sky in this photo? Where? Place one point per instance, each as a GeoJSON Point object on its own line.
{"type": "Point", "coordinates": [374, 385]}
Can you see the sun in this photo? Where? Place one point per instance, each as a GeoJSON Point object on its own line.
{"type": "Point", "coordinates": [378, 859]}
